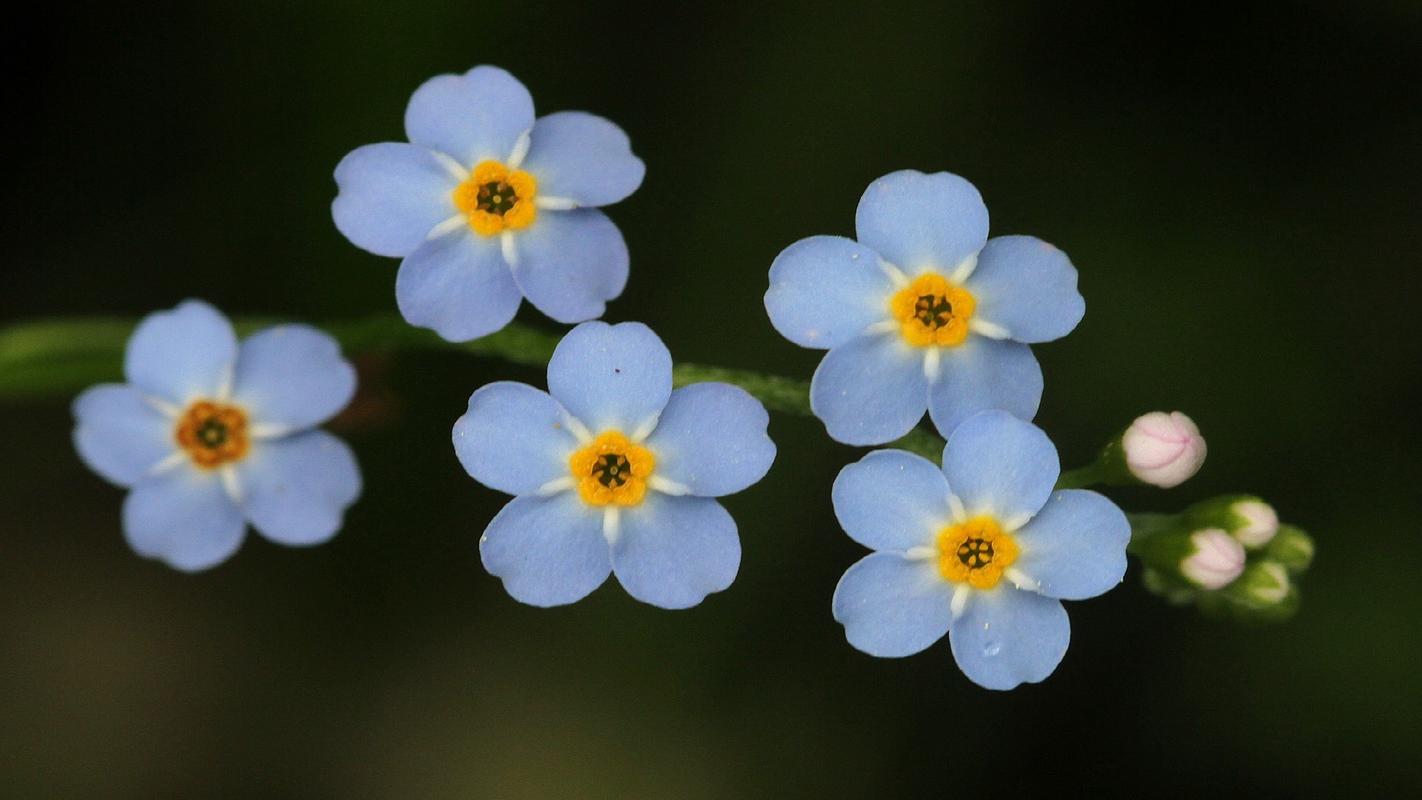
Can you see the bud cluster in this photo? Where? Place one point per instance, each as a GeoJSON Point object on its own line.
{"type": "Point", "coordinates": [1228, 555]}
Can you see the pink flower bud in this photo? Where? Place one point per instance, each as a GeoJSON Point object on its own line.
{"type": "Point", "coordinates": [1217, 561]}
{"type": "Point", "coordinates": [1261, 522]}
{"type": "Point", "coordinates": [1163, 449]}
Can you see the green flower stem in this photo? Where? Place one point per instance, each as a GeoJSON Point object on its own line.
{"type": "Point", "coordinates": [1145, 525]}
{"type": "Point", "coordinates": [1082, 477]}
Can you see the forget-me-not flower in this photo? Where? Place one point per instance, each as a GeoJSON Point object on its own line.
{"type": "Point", "coordinates": [613, 471]}
{"type": "Point", "coordinates": [486, 205]}
{"type": "Point", "coordinates": [209, 435]}
{"type": "Point", "coordinates": [983, 550]}
{"type": "Point", "coordinates": [922, 311]}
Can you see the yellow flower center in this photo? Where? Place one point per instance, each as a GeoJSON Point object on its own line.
{"type": "Point", "coordinates": [496, 198]}
{"type": "Point", "coordinates": [611, 470]}
{"type": "Point", "coordinates": [213, 434]}
{"type": "Point", "coordinates": [933, 311]}
{"type": "Point", "coordinates": [975, 552]}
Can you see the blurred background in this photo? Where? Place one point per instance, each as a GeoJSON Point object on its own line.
{"type": "Point", "coordinates": [1238, 189]}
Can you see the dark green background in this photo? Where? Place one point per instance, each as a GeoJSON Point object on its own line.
{"type": "Point", "coordinates": [1238, 189]}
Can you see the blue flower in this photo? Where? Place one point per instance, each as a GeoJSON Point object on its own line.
{"type": "Point", "coordinates": [944, 541]}
{"type": "Point", "coordinates": [487, 205]}
{"type": "Point", "coordinates": [922, 311]}
{"type": "Point", "coordinates": [209, 435]}
{"type": "Point", "coordinates": [613, 471]}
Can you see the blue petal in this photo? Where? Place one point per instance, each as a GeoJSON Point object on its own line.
{"type": "Point", "coordinates": [513, 438]}
{"type": "Point", "coordinates": [673, 551]}
{"type": "Point", "coordinates": [183, 354]}
{"type": "Point", "coordinates": [583, 158]}
{"type": "Point", "coordinates": [711, 439]}
{"type": "Point", "coordinates": [549, 551]}
{"type": "Point", "coordinates": [183, 518]}
{"type": "Point", "coordinates": [295, 490]}
{"type": "Point", "coordinates": [892, 500]}
{"type": "Point", "coordinates": [118, 435]}
{"type": "Point", "coordinates": [919, 221]}
{"type": "Point", "coordinates": [1028, 287]}
{"type": "Point", "coordinates": [570, 263]}
{"type": "Point", "coordinates": [292, 377]}
{"type": "Point", "coordinates": [459, 285]}
{"type": "Point", "coordinates": [983, 374]}
{"type": "Point", "coordinates": [611, 376]}
{"type": "Point", "coordinates": [997, 464]}
{"type": "Point", "coordinates": [870, 390]}
{"type": "Point", "coordinates": [390, 195]}
{"type": "Point", "coordinates": [1006, 637]}
{"type": "Point", "coordinates": [891, 606]}
{"type": "Point", "coordinates": [824, 290]}
{"type": "Point", "coordinates": [1075, 547]}
{"type": "Point", "coordinates": [473, 117]}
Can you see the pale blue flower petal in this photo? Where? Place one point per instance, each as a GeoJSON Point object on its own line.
{"type": "Point", "coordinates": [711, 439]}
{"type": "Point", "coordinates": [919, 221]}
{"type": "Point", "coordinates": [390, 195]}
{"type": "Point", "coordinates": [583, 158]}
{"type": "Point", "coordinates": [473, 117]}
{"type": "Point", "coordinates": [1075, 547]}
{"type": "Point", "coordinates": [611, 376]}
{"type": "Point", "coordinates": [983, 374]}
{"type": "Point", "coordinates": [292, 376]}
{"type": "Point", "coordinates": [999, 465]}
{"type": "Point", "coordinates": [549, 551]}
{"type": "Point", "coordinates": [459, 285]}
{"type": "Point", "coordinates": [118, 435]}
{"type": "Point", "coordinates": [673, 551]}
{"type": "Point", "coordinates": [1027, 287]}
{"type": "Point", "coordinates": [570, 263]}
{"type": "Point", "coordinates": [183, 354]}
{"type": "Point", "coordinates": [870, 390]}
{"type": "Point", "coordinates": [1007, 637]}
{"type": "Point", "coordinates": [825, 290]}
{"type": "Point", "coordinates": [513, 438]}
{"type": "Point", "coordinates": [892, 500]}
{"type": "Point", "coordinates": [184, 518]}
{"type": "Point", "coordinates": [295, 490]}
{"type": "Point", "coordinates": [891, 606]}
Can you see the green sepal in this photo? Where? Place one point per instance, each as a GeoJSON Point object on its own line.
{"type": "Point", "coordinates": [1218, 512]}
{"type": "Point", "coordinates": [1291, 547]}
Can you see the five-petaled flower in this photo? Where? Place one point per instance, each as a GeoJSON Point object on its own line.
{"type": "Point", "coordinates": [487, 205]}
{"type": "Point", "coordinates": [209, 435]}
{"type": "Point", "coordinates": [983, 550]}
{"type": "Point", "coordinates": [613, 471]}
{"type": "Point", "coordinates": [922, 311]}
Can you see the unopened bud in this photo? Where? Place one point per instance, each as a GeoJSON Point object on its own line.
{"type": "Point", "coordinates": [1259, 523]}
{"type": "Point", "coordinates": [1292, 548]}
{"type": "Point", "coordinates": [1216, 561]}
{"type": "Point", "coordinates": [1163, 449]}
{"type": "Point", "coordinates": [1265, 583]}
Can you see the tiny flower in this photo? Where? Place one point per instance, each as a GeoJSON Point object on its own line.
{"type": "Point", "coordinates": [1216, 559]}
{"type": "Point", "coordinates": [1163, 449]}
{"type": "Point", "coordinates": [613, 471]}
{"type": "Point", "coordinates": [1258, 523]}
{"type": "Point", "coordinates": [923, 311]}
{"type": "Point", "coordinates": [983, 550]}
{"type": "Point", "coordinates": [210, 435]}
{"type": "Point", "coordinates": [487, 205]}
